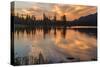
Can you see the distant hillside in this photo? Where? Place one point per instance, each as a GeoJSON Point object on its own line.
{"type": "Point", "coordinates": [90, 20]}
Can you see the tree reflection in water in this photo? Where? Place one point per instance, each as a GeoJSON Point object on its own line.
{"type": "Point", "coordinates": [40, 58]}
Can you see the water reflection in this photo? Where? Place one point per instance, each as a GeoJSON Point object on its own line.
{"type": "Point", "coordinates": [55, 45]}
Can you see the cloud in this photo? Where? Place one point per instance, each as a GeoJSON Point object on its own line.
{"type": "Point", "coordinates": [56, 9]}
{"type": "Point", "coordinates": [25, 11]}
{"type": "Point", "coordinates": [72, 12]}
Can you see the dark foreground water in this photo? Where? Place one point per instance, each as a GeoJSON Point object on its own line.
{"type": "Point", "coordinates": [57, 45]}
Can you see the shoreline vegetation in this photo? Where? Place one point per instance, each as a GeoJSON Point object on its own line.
{"type": "Point", "coordinates": [90, 20]}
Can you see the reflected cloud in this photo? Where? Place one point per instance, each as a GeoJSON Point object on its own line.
{"type": "Point", "coordinates": [57, 48]}
{"type": "Point", "coordinates": [78, 45]}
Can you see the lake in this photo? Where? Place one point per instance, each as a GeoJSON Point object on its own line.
{"type": "Point", "coordinates": [54, 45]}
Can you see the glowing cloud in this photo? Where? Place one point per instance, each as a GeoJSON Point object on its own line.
{"type": "Point", "coordinates": [72, 12]}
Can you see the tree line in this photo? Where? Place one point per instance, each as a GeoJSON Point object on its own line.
{"type": "Point", "coordinates": [90, 20]}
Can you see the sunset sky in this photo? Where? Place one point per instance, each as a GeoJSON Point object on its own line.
{"type": "Point", "coordinates": [72, 12]}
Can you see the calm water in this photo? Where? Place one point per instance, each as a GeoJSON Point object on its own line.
{"type": "Point", "coordinates": [56, 45]}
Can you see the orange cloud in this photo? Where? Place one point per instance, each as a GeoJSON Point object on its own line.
{"type": "Point", "coordinates": [56, 9]}
{"type": "Point", "coordinates": [72, 12]}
